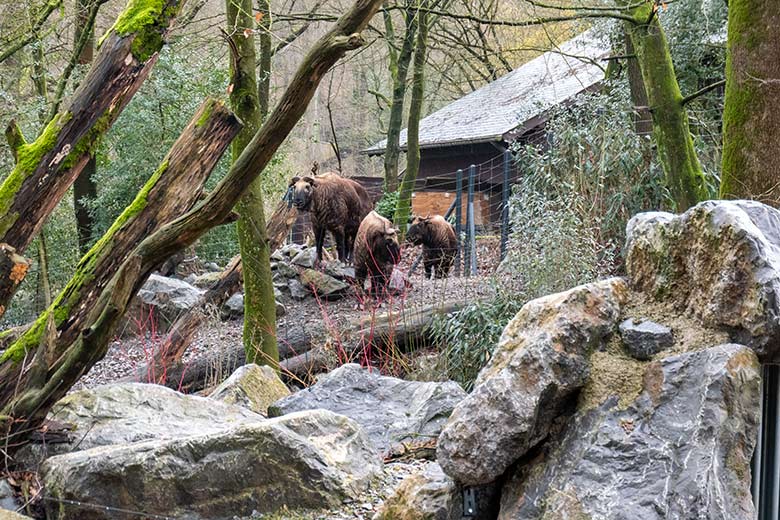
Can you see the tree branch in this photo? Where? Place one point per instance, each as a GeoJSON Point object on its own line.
{"type": "Point", "coordinates": [33, 32]}
{"type": "Point", "coordinates": [712, 86]}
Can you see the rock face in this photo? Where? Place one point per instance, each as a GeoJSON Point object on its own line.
{"type": "Point", "coordinates": [390, 410]}
{"type": "Point", "coordinates": [682, 449]}
{"type": "Point", "coordinates": [323, 285]}
{"type": "Point", "coordinates": [132, 412]}
{"type": "Point", "coordinates": [169, 296]}
{"type": "Point", "coordinates": [718, 261]}
{"type": "Point", "coordinates": [644, 338]}
{"type": "Point", "coordinates": [541, 361]}
{"type": "Point", "coordinates": [253, 387]}
{"type": "Point", "coordinates": [7, 499]}
{"type": "Point", "coordinates": [306, 460]}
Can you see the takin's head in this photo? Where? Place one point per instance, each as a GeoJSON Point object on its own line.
{"type": "Point", "coordinates": [302, 191]}
{"type": "Point", "coordinates": [389, 242]}
{"type": "Point", "coordinates": [419, 229]}
{"type": "Point", "coordinates": [381, 237]}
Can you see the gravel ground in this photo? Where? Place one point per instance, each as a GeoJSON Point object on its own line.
{"type": "Point", "coordinates": [136, 343]}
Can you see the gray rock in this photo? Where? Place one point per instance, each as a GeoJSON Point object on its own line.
{"type": "Point", "coordinates": [291, 250]}
{"type": "Point", "coordinates": [432, 495]}
{"type": "Point", "coordinates": [541, 361]}
{"type": "Point", "coordinates": [281, 310]}
{"type": "Point", "coordinates": [399, 282]}
{"type": "Point", "coordinates": [205, 280]}
{"type": "Point", "coordinates": [123, 413]}
{"type": "Point", "coordinates": [314, 459]}
{"type": "Point", "coordinates": [277, 256]}
{"type": "Point", "coordinates": [338, 270]}
{"type": "Point", "coordinates": [8, 500]}
{"type": "Point", "coordinates": [286, 270]}
{"type": "Point", "coordinates": [306, 258]}
{"type": "Point", "coordinates": [233, 308]}
{"type": "Point", "coordinates": [213, 267]}
{"type": "Point", "coordinates": [323, 285]}
{"type": "Point", "coordinates": [719, 262]}
{"type": "Point", "coordinates": [278, 293]}
{"type": "Point", "coordinates": [297, 290]}
{"type": "Point", "coordinates": [279, 281]}
{"type": "Point", "coordinates": [644, 338]}
{"type": "Point", "coordinates": [253, 387]}
{"type": "Point", "coordinates": [390, 410]}
{"type": "Point", "coordinates": [169, 296]}
{"type": "Point", "coordinates": [682, 449]}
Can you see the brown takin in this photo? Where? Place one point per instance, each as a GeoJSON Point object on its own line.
{"type": "Point", "coordinates": [440, 245]}
{"type": "Point", "coordinates": [336, 204]}
{"type": "Point", "coordinates": [376, 252]}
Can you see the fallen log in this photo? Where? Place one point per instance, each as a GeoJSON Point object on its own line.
{"type": "Point", "coordinates": [307, 350]}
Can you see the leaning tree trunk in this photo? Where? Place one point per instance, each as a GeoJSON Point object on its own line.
{"type": "Point", "coordinates": [170, 192]}
{"type": "Point", "coordinates": [751, 116]}
{"type": "Point", "coordinates": [127, 55]}
{"type": "Point", "coordinates": [399, 70]}
{"type": "Point", "coordinates": [26, 404]}
{"type": "Point", "coordinates": [404, 205]}
{"type": "Point", "coordinates": [259, 302]}
{"type": "Point", "coordinates": [684, 175]}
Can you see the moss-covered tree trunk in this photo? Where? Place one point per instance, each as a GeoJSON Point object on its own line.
{"type": "Point", "coordinates": [399, 70]}
{"type": "Point", "coordinates": [47, 167]}
{"type": "Point", "coordinates": [259, 301]}
{"type": "Point", "coordinates": [751, 116]}
{"type": "Point", "coordinates": [683, 172]}
{"type": "Point", "coordinates": [25, 406]}
{"type": "Point", "coordinates": [84, 187]}
{"type": "Point", "coordinates": [404, 205]}
{"type": "Point", "coordinates": [171, 191]}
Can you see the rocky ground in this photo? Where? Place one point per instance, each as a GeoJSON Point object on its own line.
{"type": "Point", "coordinates": [140, 335]}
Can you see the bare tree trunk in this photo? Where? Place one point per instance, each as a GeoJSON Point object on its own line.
{"type": "Point", "coordinates": [259, 302]}
{"type": "Point", "coordinates": [24, 403]}
{"type": "Point", "coordinates": [399, 69]}
{"type": "Point", "coordinates": [404, 205]}
{"type": "Point", "coordinates": [751, 116]}
{"type": "Point", "coordinates": [56, 158]}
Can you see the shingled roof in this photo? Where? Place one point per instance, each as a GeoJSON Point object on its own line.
{"type": "Point", "coordinates": [515, 99]}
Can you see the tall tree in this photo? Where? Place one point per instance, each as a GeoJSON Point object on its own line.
{"type": "Point", "coordinates": [671, 132]}
{"type": "Point", "coordinates": [751, 116]}
{"type": "Point", "coordinates": [404, 205]}
{"type": "Point", "coordinates": [259, 301]}
{"type": "Point", "coordinates": [84, 187]}
{"type": "Point", "coordinates": [399, 69]}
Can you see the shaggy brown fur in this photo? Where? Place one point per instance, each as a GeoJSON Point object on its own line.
{"type": "Point", "coordinates": [376, 252]}
{"type": "Point", "coordinates": [336, 204]}
{"type": "Point", "coordinates": [440, 245]}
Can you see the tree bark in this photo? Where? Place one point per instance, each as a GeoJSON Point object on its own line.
{"type": "Point", "coordinates": [259, 336]}
{"type": "Point", "coordinates": [751, 116]}
{"type": "Point", "coordinates": [25, 405]}
{"type": "Point", "coordinates": [84, 188]}
{"type": "Point", "coordinates": [399, 70]}
{"type": "Point", "coordinates": [683, 172]}
{"type": "Point", "coordinates": [643, 119]}
{"type": "Point", "coordinates": [404, 204]}
{"type": "Point", "coordinates": [56, 158]}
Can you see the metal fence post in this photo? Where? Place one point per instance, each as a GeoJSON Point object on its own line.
{"type": "Point", "coordinates": [471, 258]}
{"type": "Point", "coordinates": [458, 217]}
{"type": "Point", "coordinates": [505, 204]}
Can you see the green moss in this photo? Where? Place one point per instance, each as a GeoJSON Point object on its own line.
{"type": "Point", "coordinates": [147, 20]}
{"type": "Point", "coordinates": [89, 143]}
{"type": "Point", "coordinates": [28, 342]}
{"type": "Point", "coordinates": [29, 155]}
{"type": "Point", "coordinates": [207, 111]}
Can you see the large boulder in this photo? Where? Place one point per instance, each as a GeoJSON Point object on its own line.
{"type": "Point", "coordinates": [719, 261]}
{"type": "Point", "coordinates": [169, 296]}
{"type": "Point", "coordinates": [123, 413]}
{"type": "Point", "coordinates": [253, 387]}
{"type": "Point", "coordinates": [390, 410]}
{"type": "Point", "coordinates": [312, 459]}
{"type": "Point", "coordinates": [681, 449]}
{"type": "Point", "coordinates": [323, 285]}
{"type": "Point", "coordinates": [540, 362]}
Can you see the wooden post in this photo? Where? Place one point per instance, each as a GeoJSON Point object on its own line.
{"type": "Point", "coordinates": [458, 217]}
{"type": "Point", "coordinates": [471, 243]}
{"type": "Point", "coordinates": [505, 204]}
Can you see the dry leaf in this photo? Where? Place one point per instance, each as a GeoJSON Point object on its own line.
{"type": "Point", "coordinates": [258, 17]}
{"type": "Point", "coordinates": [247, 33]}
{"type": "Point", "coordinates": [663, 4]}
{"type": "Point", "coordinates": [230, 89]}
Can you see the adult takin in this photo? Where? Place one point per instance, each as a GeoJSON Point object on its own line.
{"type": "Point", "coordinates": [439, 243]}
{"type": "Point", "coordinates": [336, 204]}
{"type": "Point", "coordinates": [377, 251]}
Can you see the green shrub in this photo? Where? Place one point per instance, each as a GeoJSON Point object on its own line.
{"type": "Point", "coordinates": [386, 205]}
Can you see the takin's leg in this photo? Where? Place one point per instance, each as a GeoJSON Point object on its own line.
{"type": "Point", "coordinates": [341, 248]}
{"type": "Point", "coordinates": [445, 266]}
{"type": "Point", "coordinates": [319, 241]}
